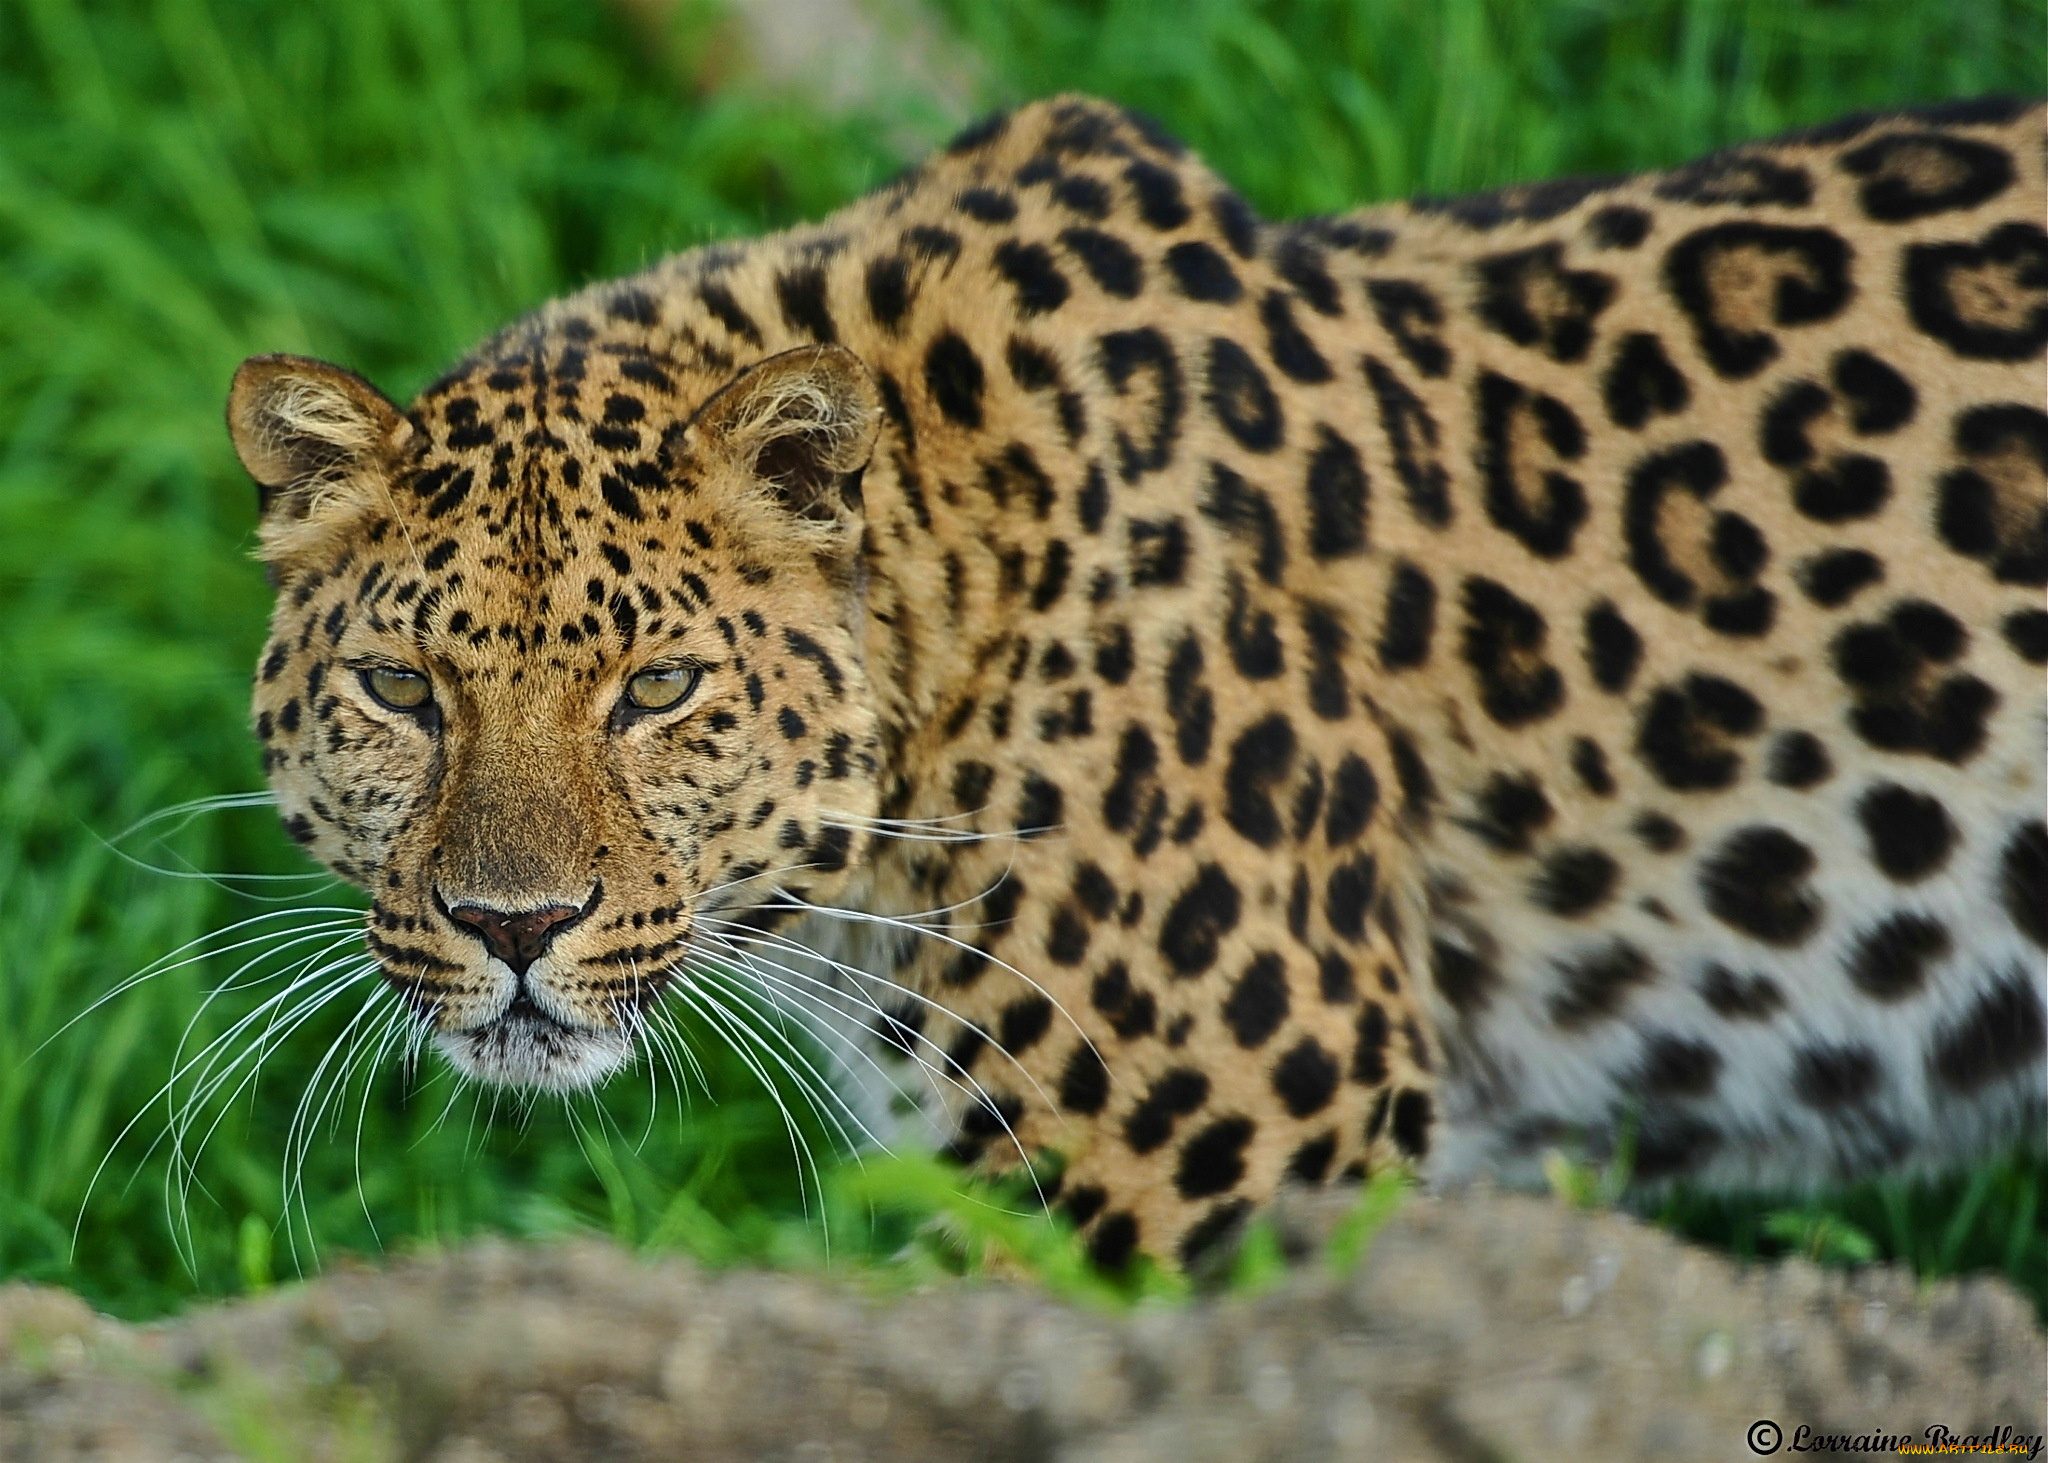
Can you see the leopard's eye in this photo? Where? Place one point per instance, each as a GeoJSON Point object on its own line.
{"type": "Point", "coordinates": [401, 690]}
{"type": "Point", "coordinates": [662, 689]}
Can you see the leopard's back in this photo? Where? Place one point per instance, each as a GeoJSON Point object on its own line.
{"type": "Point", "coordinates": [1726, 645]}
{"type": "Point", "coordinates": [1670, 549]}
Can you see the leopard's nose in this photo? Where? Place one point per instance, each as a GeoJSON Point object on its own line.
{"type": "Point", "coordinates": [519, 936]}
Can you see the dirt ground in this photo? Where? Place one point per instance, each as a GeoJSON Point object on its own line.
{"type": "Point", "coordinates": [1480, 1328]}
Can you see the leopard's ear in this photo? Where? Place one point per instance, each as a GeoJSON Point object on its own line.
{"type": "Point", "coordinates": [317, 439]}
{"type": "Point", "coordinates": [801, 424]}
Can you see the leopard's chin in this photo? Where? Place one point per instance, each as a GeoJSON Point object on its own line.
{"type": "Point", "coordinates": [524, 1047]}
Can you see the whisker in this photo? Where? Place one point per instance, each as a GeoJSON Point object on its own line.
{"type": "Point", "coordinates": [810, 1081]}
{"type": "Point", "coordinates": [185, 813]}
{"type": "Point", "coordinates": [800, 1147]}
{"type": "Point", "coordinates": [306, 974]}
{"type": "Point", "coordinates": [197, 807]}
{"type": "Point", "coordinates": [681, 1045]}
{"type": "Point", "coordinates": [309, 970]}
{"type": "Point", "coordinates": [158, 966]}
{"type": "Point", "coordinates": [820, 1033]}
{"type": "Point", "coordinates": [817, 1001]}
{"type": "Point", "coordinates": [646, 1034]}
{"type": "Point", "coordinates": [966, 1083]}
{"type": "Point", "coordinates": [935, 912]}
{"type": "Point", "coordinates": [653, 1051]}
{"type": "Point", "coordinates": [731, 945]}
{"type": "Point", "coordinates": [302, 975]}
{"type": "Point", "coordinates": [281, 1023]}
{"type": "Point", "coordinates": [916, 830]}
{"type": "Point", "coordinates": [729, 884]}
{"type": "Point", "coordinates": [861, 917]}
{"type": "Point", "coordinates": [183, 1172]}
{"type": "Point", "coordinates": [733, 931]}
{"type": "Point", "coordinates": [395, 1023]}
{"type": "Point", "coordinates": [181, 1067]}
{"type": "Point", "coordinates": [302, 1130]}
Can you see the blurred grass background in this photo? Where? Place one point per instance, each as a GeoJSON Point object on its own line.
{"type": "Point", "coordinates": [185, 182]}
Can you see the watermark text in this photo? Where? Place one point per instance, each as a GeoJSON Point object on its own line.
{"type": "Point", "coordinates": [1765, 1438]}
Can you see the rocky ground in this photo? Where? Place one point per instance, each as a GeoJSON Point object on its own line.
{"type": "Point", "coordinates": [1481, 1328]}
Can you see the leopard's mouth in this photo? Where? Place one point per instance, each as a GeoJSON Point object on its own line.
{"type": "Point", "coordinates": [524, 1045]}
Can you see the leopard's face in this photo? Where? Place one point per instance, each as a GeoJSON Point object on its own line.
{"type": "Point", "coordinates": [559, 733]}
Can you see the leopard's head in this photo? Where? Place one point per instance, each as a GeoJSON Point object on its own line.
{"type": "Point", "coordinates": [565, 666]}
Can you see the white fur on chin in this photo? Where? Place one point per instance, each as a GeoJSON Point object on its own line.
{"type": "Point", "coordinates": [520, 1051]}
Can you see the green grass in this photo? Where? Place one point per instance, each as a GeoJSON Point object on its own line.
{"type": "Point", "coordinates": [1314, 105]}
{"type": "Point", "coordinates": [184, 182]}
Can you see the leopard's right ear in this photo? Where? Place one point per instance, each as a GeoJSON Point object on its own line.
{"type": "Point", "coordinates": [318, 440]}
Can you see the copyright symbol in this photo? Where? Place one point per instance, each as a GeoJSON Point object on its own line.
{"type": "Point", "coordinates": [1765, 1437]}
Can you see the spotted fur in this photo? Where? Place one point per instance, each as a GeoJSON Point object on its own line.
{"type": "Point", "coordinates": [1418, 686]}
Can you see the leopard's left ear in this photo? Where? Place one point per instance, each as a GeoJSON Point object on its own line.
{"type": "Point", "coordinates": [320, 442]}
{"type": "Point", "coordinates": [299, 425]}
{"type": "Point", "coordinates": [802, 424]}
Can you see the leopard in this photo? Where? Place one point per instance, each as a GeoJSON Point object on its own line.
{"type": "Point", "coordinates": [1213, 703]}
